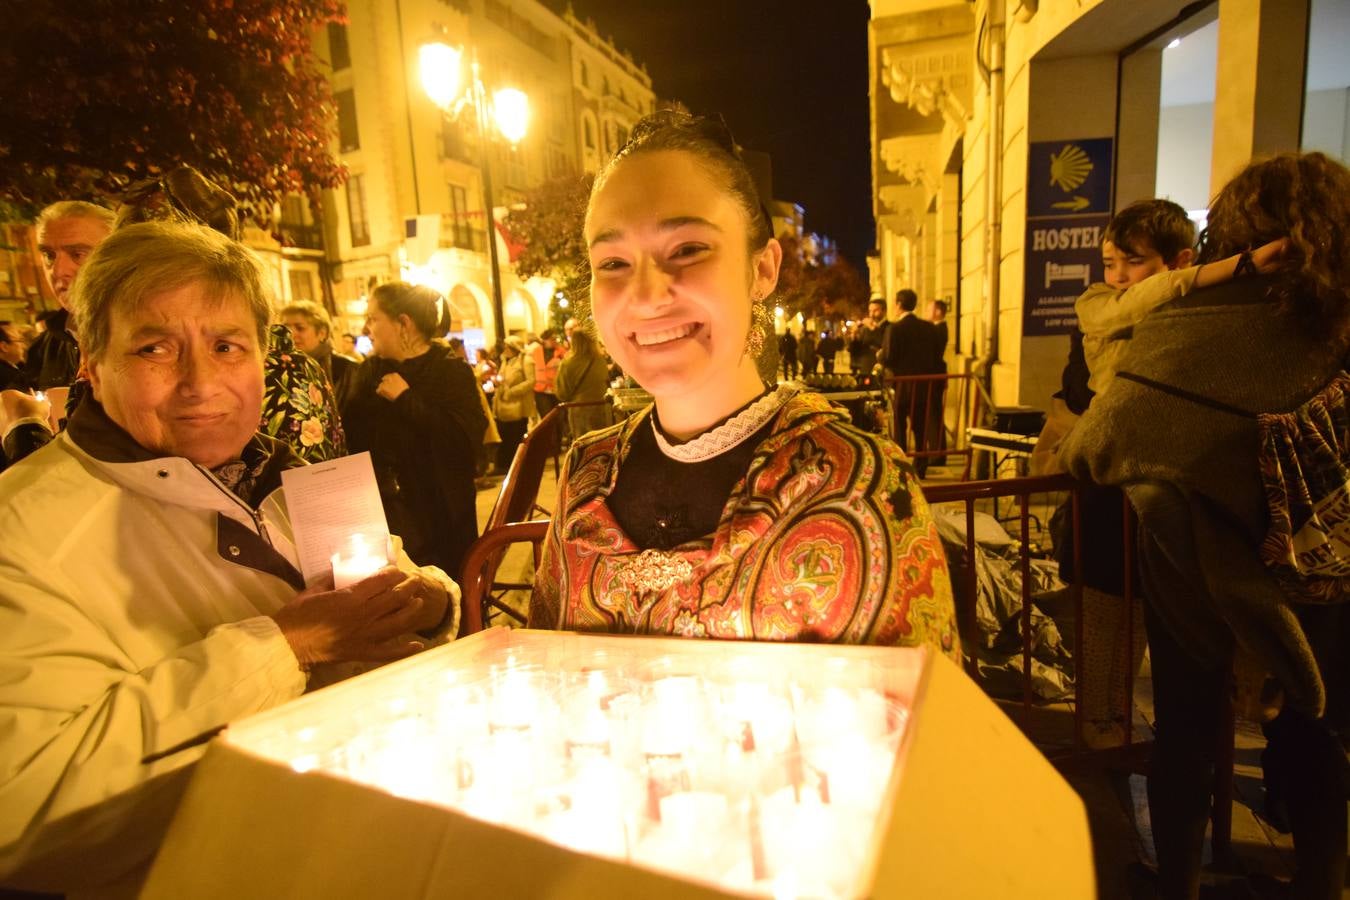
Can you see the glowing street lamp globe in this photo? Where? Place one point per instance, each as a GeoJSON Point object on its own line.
{"type": "Point", "coordinates": [511, 111]}
{"type": "Point", "coordinates": [441, 67]}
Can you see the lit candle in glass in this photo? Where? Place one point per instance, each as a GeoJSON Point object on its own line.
{"type": "Point", "coordinates": [362, 556]}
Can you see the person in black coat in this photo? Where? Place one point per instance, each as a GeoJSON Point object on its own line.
{"type": "Point", "coordinates": [827, 348]}
{"type": "Point", "coordinates": [913, 347]}
{"type": "Point", "coordinates": [787, 352]}
{"type": "Point", "coordinates": [12, 351]}
{"type": "Point", "coordinates": [414, 405]}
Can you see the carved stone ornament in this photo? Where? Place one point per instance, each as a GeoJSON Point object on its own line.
{"type": "Point", "coordinates": [930, 78]}
{"type": "Point", "coordinates": [915, 158]}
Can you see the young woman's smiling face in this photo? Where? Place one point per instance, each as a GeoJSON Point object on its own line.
{"type": "Point", "coordinates": [672, 277]}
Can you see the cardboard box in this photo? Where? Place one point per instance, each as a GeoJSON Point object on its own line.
{"type": "Point", "coordinates": [970, 808]}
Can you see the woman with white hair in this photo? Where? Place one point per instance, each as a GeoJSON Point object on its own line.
{"type": "Point", "coordinates": [149, 584]}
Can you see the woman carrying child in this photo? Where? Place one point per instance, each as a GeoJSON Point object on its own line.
{"type": "Point", "coordinates": [1179, 430]}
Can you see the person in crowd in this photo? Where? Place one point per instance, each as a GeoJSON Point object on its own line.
{"type": "Point", "coordinates": [27, 424]}
{"type": "Point", "coordinates": [583, 377]}
{"type": "Point", "coordinates": [547, 355]}
{"type": "Point", "coordinates": [24, 423]}
{"type": "Point", "coordinates": [1180, 429]}
{"type": "Point", "coordinates": [67, 232]}
{"type": "Point", "coordinates": [828, 347]}
{"type": "Point", "coordinates": [806, 352]}
{"type": "Point", "coordinates": [349, 347]}
{"type": "Point", "coordinates": [937, 423]}
{"type": "Point", "coordinates": [569, 327]}
{"type": "Point", "coordinates": [938, 316]}
{"type": "Point", "coordinates": [310, 328]}
{"type": "Point", "coordinates": [870, 333]}
{"type": "Point", "coordinates": [787, 352]}
{"type": "Point", "coordinates": [1147, 253]}
{"type": "Point", "coordinates": [13, 352]}
{"type": "Point", "coordinates": [1146, 239]}
{"type": "Point", "coordinates": [43, 319]}
{"type": "Point", "coordinates": [298, 403]}
{"type": "Point", "coordinates": [912, 348]}
{"type": "Point", "coordinates": [149, 590]}
{"type": "Point", "coordinates": [486, 369]}
{"type": "Point", "coordinates": [416, 408]}
{"type": "Point", "coordinates": [512, 399]}
{"type": "Point", "coordinates": [299, 406]}
{"type": "Point", "coordinates": [657, 527]}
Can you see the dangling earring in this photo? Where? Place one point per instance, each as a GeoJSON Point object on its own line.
{"type": "Point", "coordinates": [761, 320]}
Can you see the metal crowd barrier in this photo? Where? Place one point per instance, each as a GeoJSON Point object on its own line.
{"type": "Point", "coordinates": [925, 401]}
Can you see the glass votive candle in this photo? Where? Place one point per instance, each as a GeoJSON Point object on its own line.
{"type": "Point", "coordinates": [360, 556]}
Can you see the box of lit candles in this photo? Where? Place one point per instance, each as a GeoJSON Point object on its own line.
{"type": "Point", "coordinates": [530, 764]}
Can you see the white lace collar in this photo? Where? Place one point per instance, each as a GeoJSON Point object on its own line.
{"type": "Point", "coordinates": [731, 433]}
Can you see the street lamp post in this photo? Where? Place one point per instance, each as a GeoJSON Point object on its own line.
{"type": "Point", "coordinates": [441, 67]}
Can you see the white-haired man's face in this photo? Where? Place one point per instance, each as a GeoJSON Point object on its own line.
{"type": "Point", "coordinates": [65, 244]}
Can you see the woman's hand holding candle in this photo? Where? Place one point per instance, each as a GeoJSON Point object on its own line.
{"type": "Point", "coordinates": [372, 620]}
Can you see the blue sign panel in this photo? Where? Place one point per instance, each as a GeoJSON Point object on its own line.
{"type": "Point", "coordinates": [1069, 177]}
{"type": "Point", "coordinates": [1068, 206]}
{"type": "Point", "coordinates": [1063, 256]}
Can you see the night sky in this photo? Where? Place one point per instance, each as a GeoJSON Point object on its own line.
{"type": "Point", "coordinates": [789, 76]}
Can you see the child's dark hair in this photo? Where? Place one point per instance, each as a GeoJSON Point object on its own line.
{"type": "Point", "coordinates": [424, 307]}
{"type": "Point", "coordinates": [1159, 225]}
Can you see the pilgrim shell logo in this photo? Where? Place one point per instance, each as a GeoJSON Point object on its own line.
{"type": "Point", "coordinates": [1069, 168]}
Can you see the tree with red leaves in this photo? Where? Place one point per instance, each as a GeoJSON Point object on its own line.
{"type": "Point", "coordinates": [833, 290]}
{"type": "Point", "coordinates": [102, 93]}
{"type": "Point", "coordinates": [548, 227]}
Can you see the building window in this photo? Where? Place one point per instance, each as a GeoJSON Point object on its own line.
{"type": "Point", "coordinates": [348, 137]}
{"type": "Point", "coordinates": [302, 285]}
{"type": "Point", "coordinates": [514, 158]}
{"type": "Point", "coordinates": [501, 14]}
{"type": "Point", "coordinates": [461, 232]}
{"type": "Point", "coordinates": [621, 138]}
{"type": "Point", "coordinates": [356, 210]}
{"type": "Point", "coordinates": [293, 210]}
{"type": "Point", "coordinates": [338, 49]}
{"type": "Point", "coordinates": [585, 74]}
{"type": "Point", "coordinates": [558, 164]}
{"type": "Point", "coordinates": [605, 86]}
{"type": "Point", "coordinates": [297, 227]}
{"type": "Point", "coordinates": [557, 118]}
{"type": "Point", "coordinates": [590, 133]}
{"type": "Point", "coordinates": [454, 144]}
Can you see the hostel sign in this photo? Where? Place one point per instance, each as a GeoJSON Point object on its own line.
{"type": "Point", "coordinates": [1068, 206]}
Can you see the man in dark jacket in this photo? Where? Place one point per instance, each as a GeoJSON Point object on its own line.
{"type": "Point", "coordinates": [12, 351]}
{"type": "Point", "coordinates": [869, 337]}
{"type": "Point", "coordinates": [67, 232]}
{"type": "Point", "coordinates": [912, 348]}
{"type": "Point", "coordinates": [827, 348]}
{"type": "Point", "coordinates": [787, 352]}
